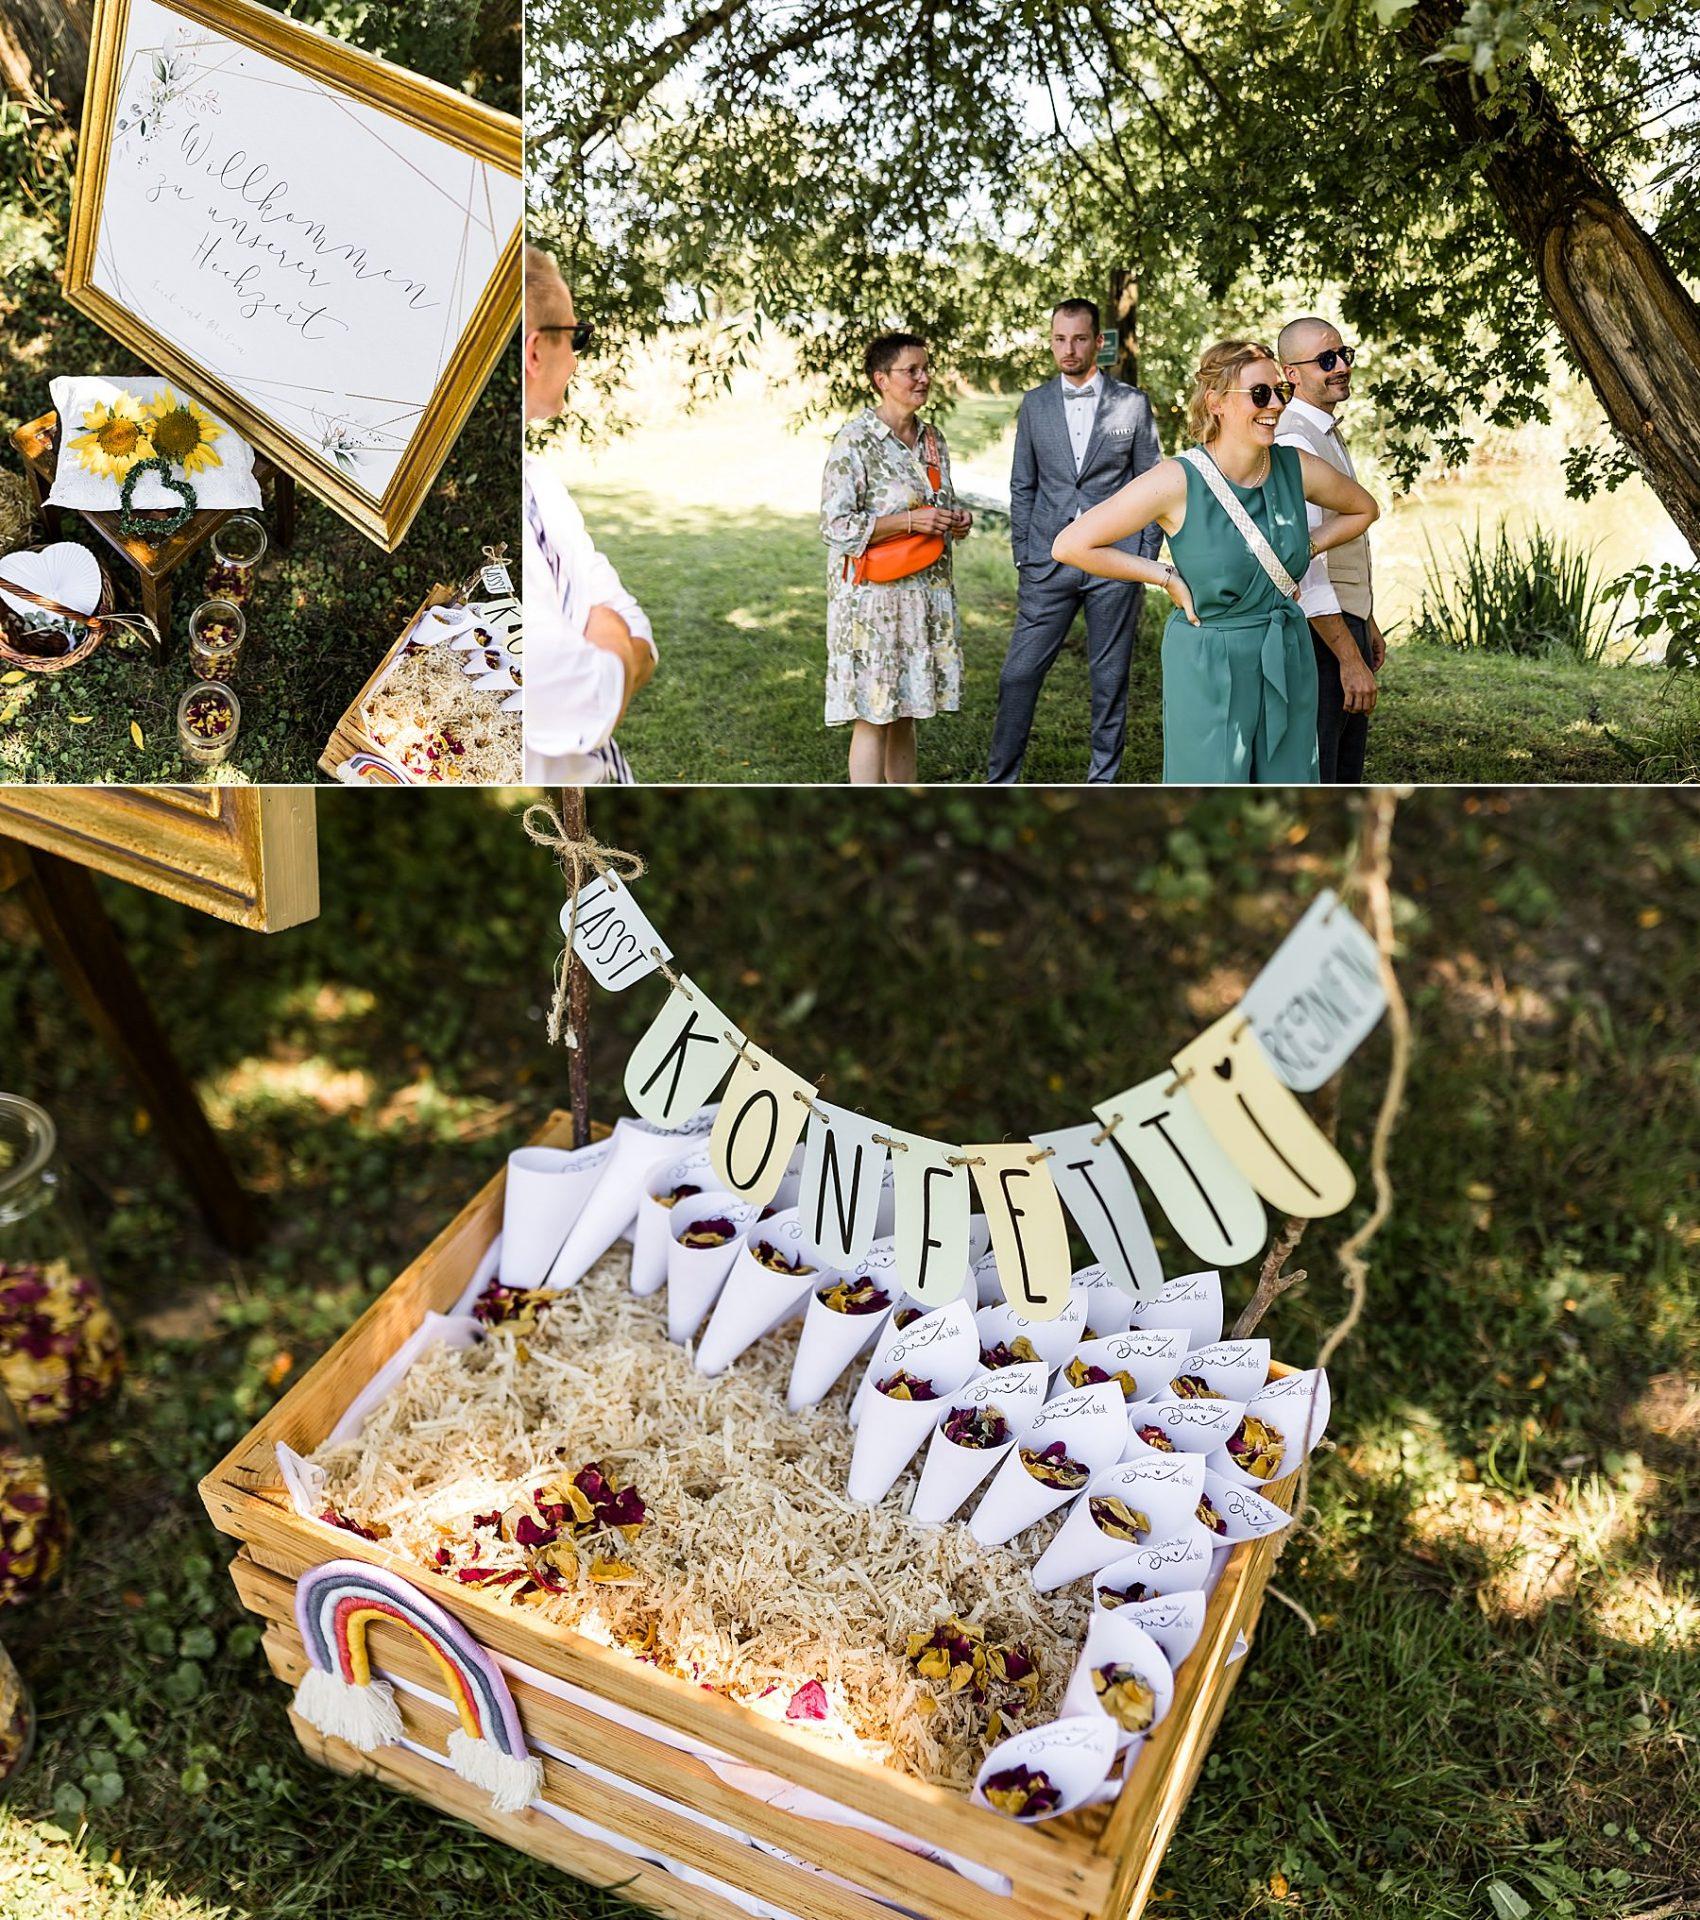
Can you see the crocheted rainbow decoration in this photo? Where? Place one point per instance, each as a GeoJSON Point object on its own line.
{"type": "Point", "coordinates": [335, 1604]}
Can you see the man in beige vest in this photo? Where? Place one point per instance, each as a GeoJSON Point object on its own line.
{"type": "Point", "coordinates": [1336, 591]}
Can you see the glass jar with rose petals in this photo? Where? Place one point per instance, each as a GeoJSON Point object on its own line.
{"type": "Point", "coordinates": [238, 546]}
{"type": "Point", "coordinates": [17, 1722]}
{"type": "Point", "coordinates": [59, 1345]}
{"type": "Point", "coordinates": [34, 1527]}
{"type": "Point", "coordinates": [217, 629]}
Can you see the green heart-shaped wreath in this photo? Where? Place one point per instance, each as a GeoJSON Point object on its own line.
{"type": "Point", "coordinates": [138, 523]}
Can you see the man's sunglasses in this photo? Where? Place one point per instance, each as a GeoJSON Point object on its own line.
{"type": "Point", "coordinates": [1335, 356]}
{"type": "Point", "coordinates": [582, 331]}
{"type": "Point", "coordinates": [1263, 393]}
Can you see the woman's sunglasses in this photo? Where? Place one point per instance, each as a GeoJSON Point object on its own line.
{"type": "Point", "coordinates": [1335, 356]}
{"type": "Point", "coordinates": [582, 331]}
{"type": "Point", "coordinates": [1263, 393]}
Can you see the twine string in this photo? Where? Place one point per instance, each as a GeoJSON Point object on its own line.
{"type": "Point", "coordinates": [574, 853]}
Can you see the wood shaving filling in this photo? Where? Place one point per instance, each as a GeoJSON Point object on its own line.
{"type": "Point", "coordinates": [424, 698]}
{"type": "Point", "coordinates": [754, 1573]}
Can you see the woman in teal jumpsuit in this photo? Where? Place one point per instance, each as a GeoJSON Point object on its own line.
{"type": "Point", "coordinates": [1239, 673]}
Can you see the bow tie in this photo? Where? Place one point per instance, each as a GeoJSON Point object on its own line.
{"type": "Point", "coordinates": [1080, 393]}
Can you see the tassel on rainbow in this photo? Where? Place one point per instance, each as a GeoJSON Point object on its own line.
{"type": "Point", "coordinates": [335, 1604]}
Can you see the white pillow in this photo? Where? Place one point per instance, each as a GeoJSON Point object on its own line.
{"type": "Point", "coordinates": [210, 453]}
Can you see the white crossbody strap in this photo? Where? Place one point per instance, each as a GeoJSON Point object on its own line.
{"type": "Point", "coordinates": [1261, 551]}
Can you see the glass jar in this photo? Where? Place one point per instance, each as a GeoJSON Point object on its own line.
{"type": "Point", "coordinates": [59, 1345]}
{"type": "Point", "coordinates": [209, 717]}
{"type": "Point", "coordinates": [35, 1529]}
{"type": "Point", "coordinates": [238, 546]}
{"type": "Point", "coordinates": [217, 629]}
{"type": "Point", "coordinates": [17, 1722]}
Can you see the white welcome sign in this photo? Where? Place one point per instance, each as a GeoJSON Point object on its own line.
{"type": "Point", "coordinates": [322, 246]}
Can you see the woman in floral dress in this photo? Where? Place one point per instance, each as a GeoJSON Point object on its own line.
{"type": "Point", "coordinates": [893, 648]}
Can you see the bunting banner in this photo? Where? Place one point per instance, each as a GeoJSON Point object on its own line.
{"type": "Point", "coordinates": [1217, 1138]}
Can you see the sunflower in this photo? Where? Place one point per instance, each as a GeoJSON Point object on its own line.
{"type": "Point", "coordinates": [114, 436]}
{"type": "Point", "coordinates": [182, 433]}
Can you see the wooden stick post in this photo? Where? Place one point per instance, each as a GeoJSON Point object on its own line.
{"type": "Point", "coordinates": [578, 992]}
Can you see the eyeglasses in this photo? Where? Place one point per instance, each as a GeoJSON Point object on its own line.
{"type": "Point", "coordinates": [1263, 393]}
{"type": "Point", "coordinates": [582, 331]}
{"type": "Point", "coordinates": [1344, 356]}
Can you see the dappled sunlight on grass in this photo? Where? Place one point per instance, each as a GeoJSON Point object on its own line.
{"type": "Point", "coordinates": [326, 1003]}
{"type": "Point", "coordinates": [46, 1875]}
{"type": "Point", "coordinates": [260, 1086]}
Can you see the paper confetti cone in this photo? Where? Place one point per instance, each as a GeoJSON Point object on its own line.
{"type": "Point", "coordinates": [1164, 1490]}
{"type": "Point", "coordinates": [1074, 1755]}
{"type": "Point", "coordinates": [951, 1470]}
{"type": "Point", "coordinates": [637, 1148]}
{"type": "Point", "coordinates": [1190, 1300]}
{"type": "Point", "coordinates": [545, 1192]}
{"type": "Point", "coordinates": [1090, 1423]}
{"type": "Point", "coordinates": [757, 1297]}
{"type": "Point", "coordinates": [695, 1275]}
{"type": "Point", "coordinates": [1114, 1640]}
{"type": "Point", "coordinates": [938, 1349]}
{"type": "Point", "coordinates": [1180, 1564]}
{"type": "Point", "coordinates": [1175, 1621]}
{"type": "Point", "coordinates": [829, 1342]}
{"type": "Point", "coordinates": [649, 1231]}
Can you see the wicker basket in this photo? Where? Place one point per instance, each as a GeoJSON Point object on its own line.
{"type": "Point", "coordinates": [13, 631]}
{"type": "Point", "coordinates": [629, 1752]}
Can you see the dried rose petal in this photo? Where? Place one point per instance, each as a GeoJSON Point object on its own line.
{"type": "Point", "coordinates": [809, 1702]}
{"type": "Point", "coordinates": [1257, 1447]}
{"type": "Point", "coordinates": [35, 1530]}
{"type": "Point", "coordinates": [904, 1386]}
{"type": "Point", "coordinates": [1111, 1597]}
{"type": "Point", "coordinates": [905, 1317]}
{"type": "Point", "coordinates": [1007, 1353]}
{"type": "Point", "coordinates": [771, 1257]}
{"type": "Point", "coordinates": [684, 1191]}
{"type": "Point", "coordinates": [497, 1305]}
{"type": "Point", "coordinates": [1155, 1437]}
{"type": "Point", "coordinates": [708, 1233]}
{"type": "Point", "coordinates": [1125, 1697]}
{"type": "Point", "coordinates": [334, 1517]}
{"type": "Point", "coordinates": [1052, 1467]}
{"type": "Point", "coordinates": [1085, 1373]}
{"type": "Point", "coordinates": [1193, 1386]}
{"type": "Point", "coordinates": [59, 1346]}
{"type": "Point", "coordinates": [860, 1295]}
{"type": "Point", "coordinates": [976, 1427]}
{"type": "Point", "coordinates": [1026, 1792]}
{"type": "Point", "coordinates": [1117, 1519]}
{"type": "Point", "coordinates": [1208, 1516]}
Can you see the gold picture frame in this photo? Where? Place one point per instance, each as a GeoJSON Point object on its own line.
{"type": "Point", "coordinates": [249, 855]}
{"type": "Point", "coordinates": [359, 86]}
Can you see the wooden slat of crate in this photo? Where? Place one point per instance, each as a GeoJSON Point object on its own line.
{"type": "Point", "coordinates": [349, 735]}
{"type": "Point", "coordinates": [1050, 1864]}
{"type": "Point", "coordinates": [660, 1829]}
{"type": "Point", "coordinates": [883, 1867]}
{"type": "Point", "coordinates": [1149, 1807]}
{"type": "Point", "coordinates": [533, 1833]}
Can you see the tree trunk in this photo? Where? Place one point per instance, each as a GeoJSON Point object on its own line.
{"type": "Point", "coordinates": [1632, 325]}
{"type": "Point", "coordinates": [44, 50]}
{"type": "Point", "coordinates": [1124, 317]}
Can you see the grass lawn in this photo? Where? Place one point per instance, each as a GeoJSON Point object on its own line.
{"type": "Point", "coordinates": [738, 598]}
{"type": "Point", "coordinates": [323, 614]}
{"type": "Point", "coordinates": [1500, 1711]}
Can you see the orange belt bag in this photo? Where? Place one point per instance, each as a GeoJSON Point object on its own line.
{"type": "Point", "coordinates": [907, 553]}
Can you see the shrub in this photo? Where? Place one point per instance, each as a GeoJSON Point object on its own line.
{"type": "Point", "coordinates": [1535, 598]}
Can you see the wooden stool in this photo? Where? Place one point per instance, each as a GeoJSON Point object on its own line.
{"type": "Point", "coordinates": [38, 442]}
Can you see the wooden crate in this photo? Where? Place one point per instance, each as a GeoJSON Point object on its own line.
{"type": "Point", "coordinates": [349, 735]}
{"type": "Point", "coordinates": [1099, 1864]}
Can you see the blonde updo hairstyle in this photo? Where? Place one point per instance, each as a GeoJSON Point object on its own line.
{"type": "Point", "coordinates": [1218, 374]}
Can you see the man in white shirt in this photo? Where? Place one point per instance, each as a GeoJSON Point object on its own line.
{"type": "Point", "coordinates": [588, 644]}
{"type": "Point", "coordinates": [1336, 592]}
{"type": "Point", "coordinates": [1078, 439]}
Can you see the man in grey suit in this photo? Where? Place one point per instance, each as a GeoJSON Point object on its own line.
{"type": "Point", "coordinates": [1078, 439]}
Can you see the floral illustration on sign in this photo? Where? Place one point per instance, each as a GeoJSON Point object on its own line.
{"type": "Point", "coordinates": [347, 443]}
{"type": "Point", "coordinates": [171, 76]}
